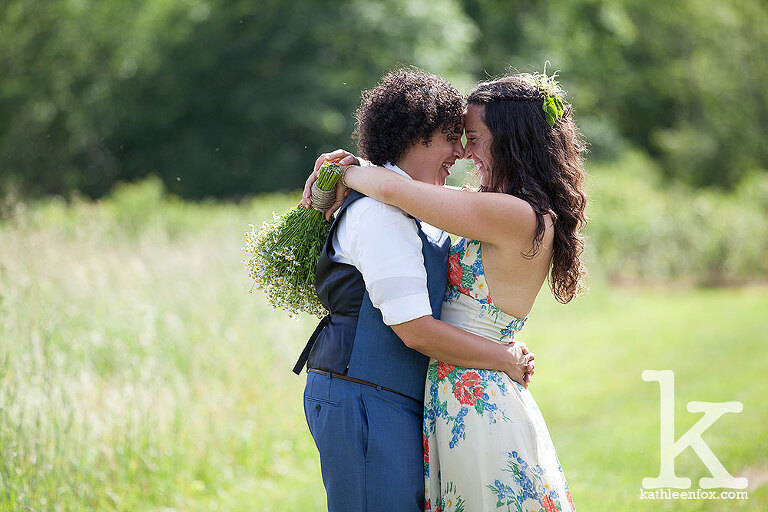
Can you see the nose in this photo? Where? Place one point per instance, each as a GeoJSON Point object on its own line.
{"type": "Point", "coordinates": [458, 149]}
{"type": "Point", "coordinates": [467, 151]}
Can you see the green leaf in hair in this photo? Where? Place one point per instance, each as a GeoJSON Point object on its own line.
{"type": "Point", "coordinates": [553, 105]}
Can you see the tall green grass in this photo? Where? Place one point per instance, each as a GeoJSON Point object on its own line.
{"type": "Point", "coordinates": [137, 371]}
{"type": "Point", "coordinates": [138, 374]}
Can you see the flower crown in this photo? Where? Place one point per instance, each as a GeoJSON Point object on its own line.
{"type": "Point", "coordinates": [553, 106]}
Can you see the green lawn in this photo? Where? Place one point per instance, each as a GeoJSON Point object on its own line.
{"type": "Point", "coordinates": [138, 374]}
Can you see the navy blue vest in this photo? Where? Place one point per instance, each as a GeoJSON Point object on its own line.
{"type": "Point", "coordinates": [353, 339]}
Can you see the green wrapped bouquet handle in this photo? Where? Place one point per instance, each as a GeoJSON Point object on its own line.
{"type": "Point", "coordinates": [324, 189]}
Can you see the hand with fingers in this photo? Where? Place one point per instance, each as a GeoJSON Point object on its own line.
{"type": "Point", "coordinates": [529, 363]}
{"type": "Point", "coordinates": [522, 368]}
{"type": "Point", "coordinates": [344, 159]}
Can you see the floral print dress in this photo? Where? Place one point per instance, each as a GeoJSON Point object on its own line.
{"type": "Point", "coordinates": [486, 446]}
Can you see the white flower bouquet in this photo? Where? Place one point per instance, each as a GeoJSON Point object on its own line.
{"type": "Point", "coordinates": [283, 253]}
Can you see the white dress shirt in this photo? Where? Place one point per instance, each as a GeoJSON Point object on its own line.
{"type": "Point", "coordinates": [383, 243]}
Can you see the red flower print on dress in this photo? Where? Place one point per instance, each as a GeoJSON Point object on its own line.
{"type": "Point", "coordinates": [468, 388]}
{"type": "Point", "coordinates": [549, 505]}
{"type": "Point", "coordinates": [426, 449]}
{"type": "Point", "coordinates": [455, 272]}
{"type": "Point", "coordinates": [443, 369]}
{"type": "Point", "coordinates": [570, 498]}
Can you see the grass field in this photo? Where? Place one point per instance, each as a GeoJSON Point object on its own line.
{"type": "Point", "coordinates": [138, 374]}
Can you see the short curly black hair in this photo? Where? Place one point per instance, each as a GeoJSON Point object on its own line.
{"type": "Point", "coordinates": [407, 107]}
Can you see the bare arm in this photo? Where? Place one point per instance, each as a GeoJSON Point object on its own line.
{"type": "Point", "coordinates": [452, 345]}
{"type": "Point", "coordinates": [495, 218]}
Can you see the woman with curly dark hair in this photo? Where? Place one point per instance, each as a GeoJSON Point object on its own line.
{"type": "Point", "coordinates": [486, 444]}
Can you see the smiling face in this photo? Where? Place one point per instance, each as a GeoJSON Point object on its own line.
{"type": "Point", "coordinates": [478, 148]}
{"type": "Point", "coordinates": [432, 164]}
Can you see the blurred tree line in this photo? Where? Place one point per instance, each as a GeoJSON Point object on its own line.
{"type": "Point", "coordinates": [231, 97]}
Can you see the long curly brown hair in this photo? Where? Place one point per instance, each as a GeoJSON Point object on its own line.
{"type": "Point", "coordinates": [541, 164]}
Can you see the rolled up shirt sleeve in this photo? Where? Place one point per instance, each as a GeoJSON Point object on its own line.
{"type": "Point", "coordinates": [384, 245]}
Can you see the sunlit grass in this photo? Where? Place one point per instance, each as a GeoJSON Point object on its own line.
{"type": "Point", "coordinates": [138, 373]}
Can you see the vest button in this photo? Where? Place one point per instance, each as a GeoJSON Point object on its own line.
{"type": "Point", "coordinates": [317, 407]}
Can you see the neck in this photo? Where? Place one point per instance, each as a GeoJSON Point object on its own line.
{"type": "Point", "coordinates": [410, 164]}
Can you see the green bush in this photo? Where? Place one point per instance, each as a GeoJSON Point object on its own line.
{"type": "Point", "coordinates": [642, 227]}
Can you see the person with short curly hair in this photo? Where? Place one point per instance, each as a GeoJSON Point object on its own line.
{"type": "Point", "coordinates": [407, 107]}
{"type": "Point", "coordinates": [380, 274]}
{"type": "Point", "coordinates": [486, 444]}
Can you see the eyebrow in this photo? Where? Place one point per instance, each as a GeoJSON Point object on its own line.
{"type": "Point", "coordinates": [473, 131]}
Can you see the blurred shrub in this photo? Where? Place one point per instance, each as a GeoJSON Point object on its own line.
{"type": "Point", "coordinates": [640, 228]}
{"type": "Point", "coordinates": [643, 228]}
{"type": "Point", "coordinates": [143, 210]}
{"type": "Point", "coordinates": [226, 98]}
{"type": "Point", "coordinates": [684, 80]}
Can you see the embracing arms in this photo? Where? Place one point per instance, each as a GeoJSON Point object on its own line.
{"type": "Point", "coordinates": [385, 247]}
{"type": "Point", "coordinates": [452, 345]}
{"type": "Point", "coordinates": [490, 217]}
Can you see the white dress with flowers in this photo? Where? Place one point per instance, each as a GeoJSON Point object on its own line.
{"type": "Point", "coordinates": [486, 446]}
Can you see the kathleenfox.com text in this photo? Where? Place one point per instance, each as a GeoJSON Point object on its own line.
{"type": "Point", "coordinates": [698, 494]}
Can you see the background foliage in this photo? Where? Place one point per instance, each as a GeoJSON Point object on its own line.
{"type": "Point", "coordinates": [218, 98]}
{"type": "Point", "coordinates": [682, 81]}
{"type": "Point", "coordinates": [231, 97]}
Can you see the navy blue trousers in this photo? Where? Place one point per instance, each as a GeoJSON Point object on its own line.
{"type": "Point", "coordinates": [370, 443]}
